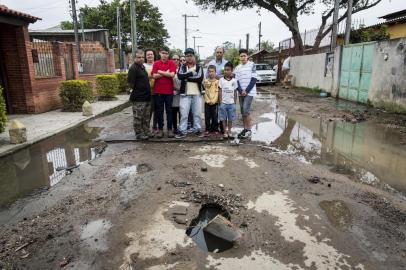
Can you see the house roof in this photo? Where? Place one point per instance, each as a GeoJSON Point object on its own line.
{"type": "Point", "coordinates": [259, 52]}
{"type": "Point", "coordinates": [4, 10]}
{"type": "Point", "coordinates": [394, 15]}
{"type": "Point", "coordinates": [57, 30]}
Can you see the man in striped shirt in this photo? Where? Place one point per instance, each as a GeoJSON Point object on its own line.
{"type": "Point", "coordinates": [246, 76]}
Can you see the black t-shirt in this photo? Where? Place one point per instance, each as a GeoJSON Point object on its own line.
{"type": "Point", "coordinates": [138, 78]}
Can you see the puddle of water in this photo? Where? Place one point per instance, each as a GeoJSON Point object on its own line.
{"type": "Point", "coordinates": [215, 156]}
{"type": "Point", "coordinates": [256, 260]}
{"type": "Point", "coordinates": [369, 153]}
{"type": "Point", "coordinates": [318, 254]}
{"type": "Point", "coordinates": [94, 234]}
{"type": "Point", "coordinates": [337, 213]}
{"type": "Point", "coordinates": [127, 172]}
{"type": "Point", "coordinates": [203, 240]}
{"type": "Point", "coordinates": [39, 165]}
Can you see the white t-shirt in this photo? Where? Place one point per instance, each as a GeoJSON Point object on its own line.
{"type": "Point", "coordinates": [244, 73]}
{"type": "Point", "coordinates": [192, 88]}
{"type": "Point", "coordinates": [228, 88]}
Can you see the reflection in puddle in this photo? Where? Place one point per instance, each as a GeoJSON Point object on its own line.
{"type": "Point", "coordinates": [36, 166]}
{"type": "Point", "coordinates": [318, 254]}
{"type": "Point", "coordinates": [337, 213]}
{"type": "Point", "coordinates": [213, 159]}
{"type": "Point", "coordinates": [203, 240]}
{"type": "Point", "coordinates": [94, 234]}
{"type": "Point", "coordinates": [256, 260]}
{"type": "Point", "coordinates": [369, 153]}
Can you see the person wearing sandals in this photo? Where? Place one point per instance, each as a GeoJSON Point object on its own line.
{"type": "Point", "coordinates": [227, 98]}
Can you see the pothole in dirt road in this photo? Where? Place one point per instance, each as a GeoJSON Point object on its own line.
{"type": "Point", "coordinates": [94, 234]}
{"type": "Point", "coordinates": [131, 170]}
{"type": "Point", "coordinates": [211, 230]}
{"type": "Point", "coordinates": [337, 213]}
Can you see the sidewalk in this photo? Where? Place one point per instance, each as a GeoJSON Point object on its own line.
{"type": "Point", "coordinates": [44, 125]}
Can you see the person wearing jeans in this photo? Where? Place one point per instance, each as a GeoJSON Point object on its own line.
{"type": "Point", "coordinates": [191, 90]}
{"type": "Point", "coordinates": [163, 72]}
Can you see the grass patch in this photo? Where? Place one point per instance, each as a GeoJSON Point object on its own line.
{"type": "Point", "coordinates": [314, 90]}
{"type": "Point", "coordinates": [390, 107]}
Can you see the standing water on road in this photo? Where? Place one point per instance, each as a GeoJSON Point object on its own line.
{"type": "Point", "coordinates": [369, 153]}
{"type": "Point", "coordinates": [44, 164]}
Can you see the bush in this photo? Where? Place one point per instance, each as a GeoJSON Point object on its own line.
{"type": "Point", "coordinates": [74, 93]}
{"type": "Point", "coordinates": [107, 85]}
{"type": "Point", "coordinates": [122, 82]}
{"type": "Point", "coordinates": [3, 117]}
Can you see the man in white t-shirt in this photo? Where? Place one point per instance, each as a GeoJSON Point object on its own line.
{"type": "Point", "coordinates": [246, 76]}
{"type": "Point", "coordinates": [227, 98]}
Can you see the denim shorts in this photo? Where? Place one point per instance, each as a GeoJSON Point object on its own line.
{"type": "Point", "coordinates": [227, 112]}
{"type": "Point", "coordinates": [245, 104]}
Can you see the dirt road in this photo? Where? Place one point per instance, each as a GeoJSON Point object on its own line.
{"type": "Point", "coordinates": [130, 207]}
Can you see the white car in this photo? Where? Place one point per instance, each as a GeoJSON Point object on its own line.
{"type": "Point", "coordinates": [265, 74]}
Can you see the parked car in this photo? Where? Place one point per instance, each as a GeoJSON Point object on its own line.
{"type": "Point", "coordinates": [265, 74]}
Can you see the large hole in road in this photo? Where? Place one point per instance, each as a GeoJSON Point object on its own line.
{"type": "Point", "coordinates": [204, 240]}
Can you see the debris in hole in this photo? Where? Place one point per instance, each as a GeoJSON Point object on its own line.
{"type": "Point", "coordinates": [181, 220]}
{"type": "Point", "coordinates": [214, 218]}
{"type": "Point", "coordinates": [222, 228]}
{"type": "Point", "coordinates": [314, 179]}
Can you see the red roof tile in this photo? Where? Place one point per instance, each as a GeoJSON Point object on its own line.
{"type": "Point", "coordinates": [24, 16]}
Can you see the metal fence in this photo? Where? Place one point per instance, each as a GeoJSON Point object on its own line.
{"type": "Point", "coordinates": [94, 62]}
{"type": "Point", "coordinates": [43, 57]}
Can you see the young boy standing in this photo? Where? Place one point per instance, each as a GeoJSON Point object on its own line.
{"type": "Point", "coordinates": [211, 96]}
{"type": "Point", "coordinates": [246, 76]}
{"type": "Point", "coordinates": [228, 98]}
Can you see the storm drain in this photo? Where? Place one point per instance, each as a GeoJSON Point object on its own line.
{"type": "Point", "coordinates": [211, 230]}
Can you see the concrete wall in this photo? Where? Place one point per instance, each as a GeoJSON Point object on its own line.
{"type": "Point", "coordinates": [308, 71]}
{"type": "Point", "coordinates": [388, 82]}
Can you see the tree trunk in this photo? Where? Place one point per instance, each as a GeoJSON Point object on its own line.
{"type": "Point", "coordinates": [297, 39]}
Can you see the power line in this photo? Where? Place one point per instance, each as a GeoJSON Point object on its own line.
{"type": "Point", "coordinates": [187, 16]}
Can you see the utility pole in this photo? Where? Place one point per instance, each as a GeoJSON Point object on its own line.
{"type": "Point", "coordinates": [133, 28]}
{"type": "Point", "coordinates": [187, 16]}
{"type": "Point", "coordinates": [194, 42]}
{"type": "Point", "coordinates": [198, 49]}
{"type": "Point", "coordinates": [248, 41]}
{"type": "Point", "coordinates": [334, 29]}
{"type": "Point", "coordinates": [75, 29]}
{"type": "Point", "coordinates": [348, 23]}
{"type": "Point", "coordinates": [239, 45]}
{"type": "Point", "coordinates": [81, 24]}
{"type": "Point", "coordinates": [259, 36]}
{"type": "Point", "coordinates": [120, 57]}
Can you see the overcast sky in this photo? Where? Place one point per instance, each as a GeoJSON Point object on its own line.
{"type": "Point", "coordinates": [213, 28]}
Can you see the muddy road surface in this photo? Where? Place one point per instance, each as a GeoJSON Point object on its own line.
{"type": "Point", "coordinates": [313, 189]}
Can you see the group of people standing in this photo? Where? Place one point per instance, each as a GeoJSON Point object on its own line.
{"type": "Point", "coordinates": [176, 88]}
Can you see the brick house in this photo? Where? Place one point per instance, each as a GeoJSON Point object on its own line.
{"type": "Point", "coordinates": [31, 71]}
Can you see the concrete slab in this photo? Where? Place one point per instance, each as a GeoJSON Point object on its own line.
{"type": "Point", "coordinates": [44, 125]}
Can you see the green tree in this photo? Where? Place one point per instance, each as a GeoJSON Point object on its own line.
{"type": "Point", "coordinates": [151, 31]}
{"type": "Point", "coordinates": [368, 34]}
{"type": "Point", "coordinates": [66, 25]}
{"type": "Point", "coordinates": [267, 45]}
{"type": "Point", "coordinates": [232, 56]}
{"type": "Point", "coordinates": [288, 11]}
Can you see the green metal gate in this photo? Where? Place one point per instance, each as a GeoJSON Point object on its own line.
{"type": "Point", "coordinates": [356, 71]}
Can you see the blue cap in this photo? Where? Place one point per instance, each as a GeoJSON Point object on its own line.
{"type": "Point", "coordinates": [189, 51]}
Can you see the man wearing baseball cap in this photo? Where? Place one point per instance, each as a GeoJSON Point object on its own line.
{"type": "Point", "coordinates": [191, 90]}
